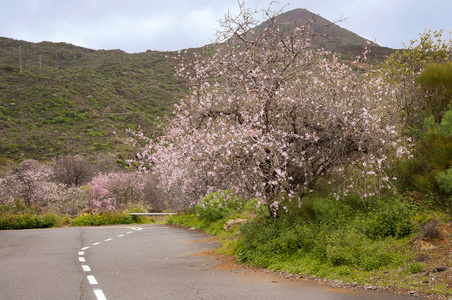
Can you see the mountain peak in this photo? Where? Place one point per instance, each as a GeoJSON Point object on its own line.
{"type": "Point", "coordinates": [327, 33]}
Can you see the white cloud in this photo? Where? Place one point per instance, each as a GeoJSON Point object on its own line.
{"type": "Point", "coordinates": [138, 25]}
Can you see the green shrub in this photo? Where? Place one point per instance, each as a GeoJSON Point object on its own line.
{"type": "Point", "coordinates": [48, 220]}
{"type": "Point", "coordinates": [391, 218]}
{"type": "Point", "coordinates": [431, 154]}
{"type": "Point", "coordinates": [89, 220]}
{"type": "Point", "coordinates": [264, 241]}
{"type": "Point", "coordinates": [218, 205]}
{"type": "Point", "coordinates": [445, 128]}
{"type": "Point", "coordinates": [106, 218]}
{"type": "Point", "coordinates": [338, 237]}
{"type": "Point", "coordinates": [444, 180]}
{"type": "Point", "coordinates": [427, 171]}
{"type": "Point", "coordinates": [437, 79]}
{"type": "Point", "coordinates": [349, 247]}
{"type": "Point", "coordinates": [415, 267]}
{"type": "Point", "coordinates": [326, 210]}
{"type": "Point", "coordinates": [343, 247]}
{"type": "Point", "coordinates": [138, 208]}
{"type": "Point", "coordinates": [186, 220]}
{"type": "Point", "coordinates": [27, 221]}
{"type": "Point", "coordinates": [423, 218]}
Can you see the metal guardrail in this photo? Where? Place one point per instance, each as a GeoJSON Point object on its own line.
{"type": "Point", "coordinates": [152, 214]}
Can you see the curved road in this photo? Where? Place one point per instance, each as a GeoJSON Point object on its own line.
{"type": "Point", "coordinates": [146, 262]}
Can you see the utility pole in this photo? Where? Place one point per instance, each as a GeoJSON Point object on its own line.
{"type": "Point", "coordinates": [20, 58]}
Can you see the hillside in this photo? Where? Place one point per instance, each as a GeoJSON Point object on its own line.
{"type": "Point", "coordinates": [71, 99]}
{"type": "Point", "coordinates": [58, 98]}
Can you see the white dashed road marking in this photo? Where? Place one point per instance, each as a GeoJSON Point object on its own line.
{"type": "Point", "coordinates": [91, 279]}
{"type": "Point", "coordinates": [100, 295]}
{"type": "Point", "coordinates": [98, 292]}
{"type": "Point", "coordinates": [86, 268]}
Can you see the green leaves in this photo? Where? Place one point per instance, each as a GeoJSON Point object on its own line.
{"type": "Point", "coordinates": [218, 205]}
{"type": "Point", "coordinates": [444, 180]}
{"type": "Point", "coordinates": [437, 77]}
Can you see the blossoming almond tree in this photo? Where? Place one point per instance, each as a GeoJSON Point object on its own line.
{"type": "Point", "coordinates": [113, 191]}
{"type": "Point", "coordinates": [267, 114]}
{"type": "Point", "coordinates": [34, 185]}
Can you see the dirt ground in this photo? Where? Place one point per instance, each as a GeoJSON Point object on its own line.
{"type": "Point", "coordinates": [437, 257]}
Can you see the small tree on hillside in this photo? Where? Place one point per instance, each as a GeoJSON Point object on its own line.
{"type": "Point", "coordinates": [34, 185]}
{"type": "Point", "coordinates": [267, 114]}
{"type": "Point", "coordinates": [436, 79]}
{"type": "Point", "coordinates": [403, 67]}
{"type": "Point", "coordinates": [72, 170]}
{"type": "Point", "coordinates": [113, 191]}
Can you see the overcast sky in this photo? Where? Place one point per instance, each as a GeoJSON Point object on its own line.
{"type": "Point", "coordinates": [140, 25]}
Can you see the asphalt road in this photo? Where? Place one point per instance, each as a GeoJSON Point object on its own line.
{"type": "Point", "coordinates": [145, 262]}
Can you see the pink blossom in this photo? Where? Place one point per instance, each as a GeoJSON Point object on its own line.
{"type": "Point", "coordinates": [271, 116]}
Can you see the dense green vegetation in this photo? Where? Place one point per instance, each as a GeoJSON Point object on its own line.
{"type": "Point", "coordinates": [18, 216]}
{"type": "Point", "coordinates": [108, 218]}
{"type": "Point", "coordinates": [58, 98]}
{"type": "Point", "coordinates": [27, 221]}
{"type": "Point", "coordinates": [348, 241]}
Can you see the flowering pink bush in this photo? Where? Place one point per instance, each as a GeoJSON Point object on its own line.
{"type": "Point", "coordinates": [267, 114]}
{"type": "Point", "coordinates": [34, 183]}
{"type": "Point", "coordinates": [113, 191]}
{"type": "Point", "coordinates": [31, 182]}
